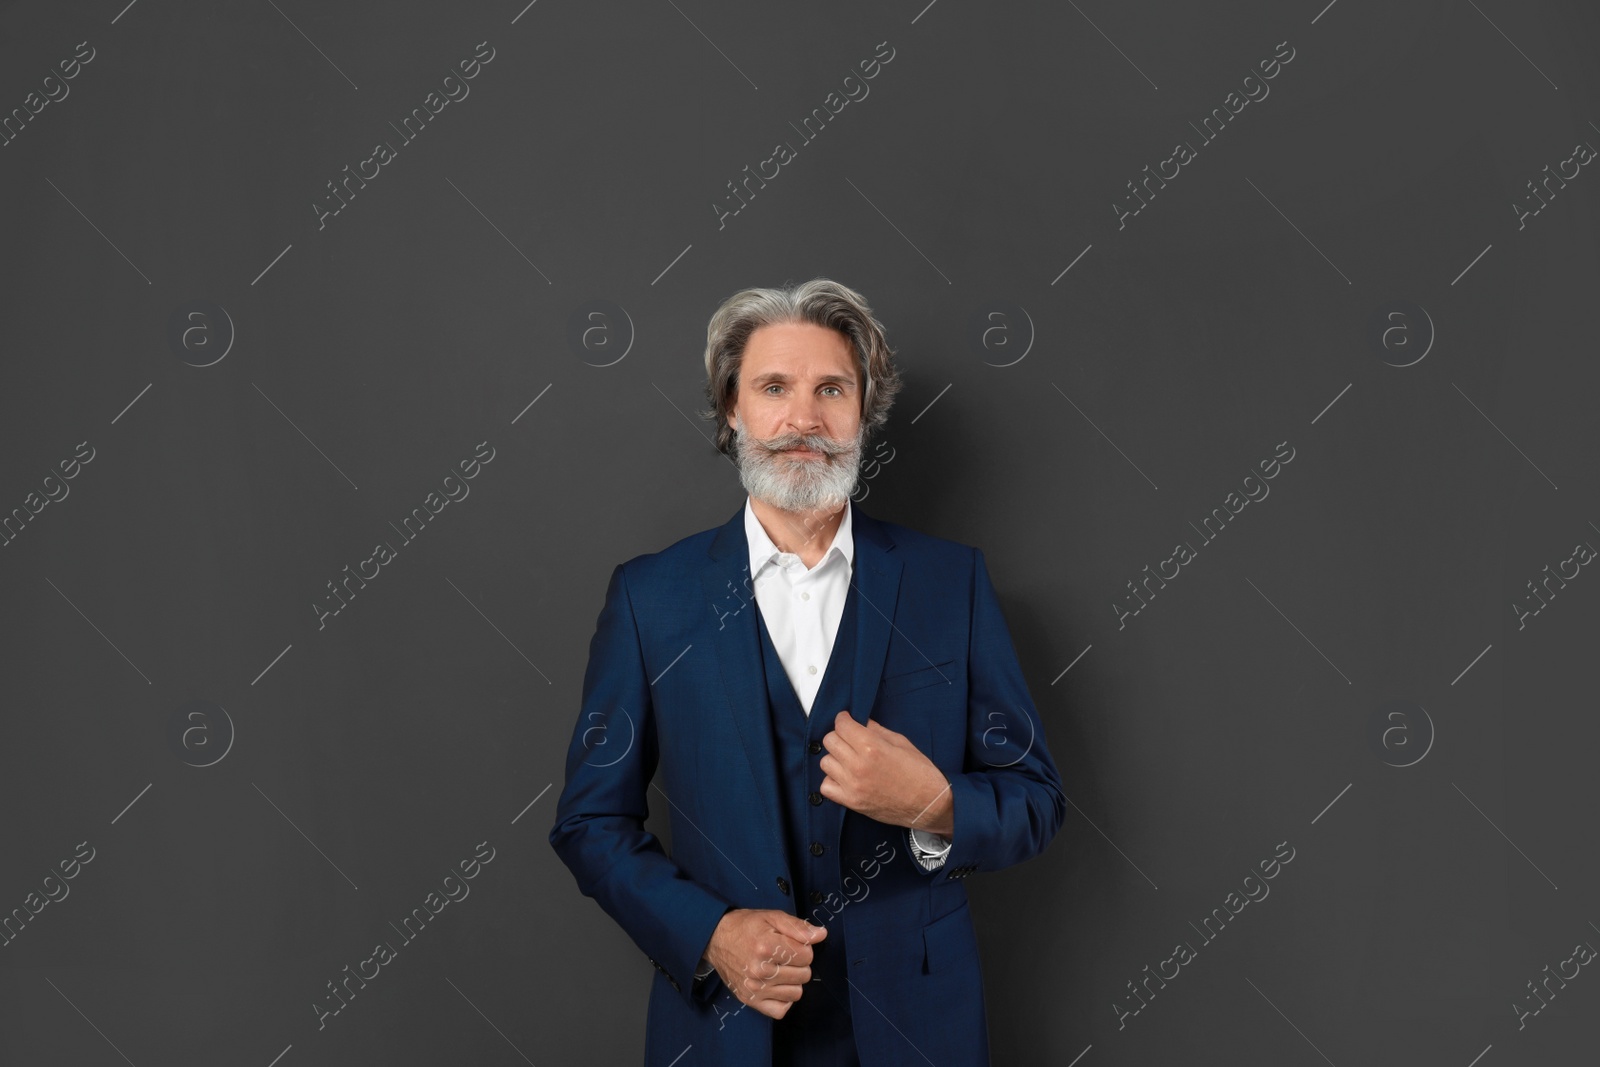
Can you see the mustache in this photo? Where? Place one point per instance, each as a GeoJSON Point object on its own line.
{"type": "Point", "coordinates": [814, 442]}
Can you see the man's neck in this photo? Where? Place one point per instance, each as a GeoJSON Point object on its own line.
{"type": "Point", "coordinates": [807, 534]}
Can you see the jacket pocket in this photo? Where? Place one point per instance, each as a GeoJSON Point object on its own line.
{"type": "Point", "coordinates": [935, 674]}
{"type": "Point", "coordinates": [950, 942]}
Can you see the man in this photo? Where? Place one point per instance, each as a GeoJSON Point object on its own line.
{"type": "Point", "coordinates": [831, 709]}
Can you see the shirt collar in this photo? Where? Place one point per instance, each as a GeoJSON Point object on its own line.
{"type": "Point", "coordinates": [762, 550]}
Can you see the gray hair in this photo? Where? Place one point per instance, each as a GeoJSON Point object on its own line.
{"type": "Point", "coordinates": [818, 301]}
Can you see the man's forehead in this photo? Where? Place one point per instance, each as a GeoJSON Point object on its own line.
{"type": "Point", "coordinates": [805, 359]}
{"type": "Point", "coordinates": [780, 338]}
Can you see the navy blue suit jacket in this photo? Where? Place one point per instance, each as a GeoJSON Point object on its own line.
{"type": "Point", "coordinates": [675, 707]}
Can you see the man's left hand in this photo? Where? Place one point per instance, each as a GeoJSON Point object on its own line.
{"type": "Point", "coordinates": [873, 770]}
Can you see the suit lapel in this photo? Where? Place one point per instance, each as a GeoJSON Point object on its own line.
{"type": "Point", "coordinates": [727, 582]}
{"type": "Point", "coordinates": [877, 580]}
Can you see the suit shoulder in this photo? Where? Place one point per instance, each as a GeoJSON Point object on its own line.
{"type": "Point", "coordinates": [682, 556]}
{"type": "Point", "coordinates": [920, 543]}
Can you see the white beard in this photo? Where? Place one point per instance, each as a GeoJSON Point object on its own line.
{"type": "Point", "coordinates": [799, 483]}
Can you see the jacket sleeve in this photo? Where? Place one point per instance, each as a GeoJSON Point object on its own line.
{"type": "Point", "coordinates": [599, 829]}
{"type": "Point", "coordinates": [1007, 800]}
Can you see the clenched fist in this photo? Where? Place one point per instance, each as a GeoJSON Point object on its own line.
{"type": "Point", "coordinates": [873, 770]}
{"type": "Point", "coordinates": [764, 957]}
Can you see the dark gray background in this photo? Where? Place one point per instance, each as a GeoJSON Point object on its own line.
{"type": "Point", "coordinates": [370, 356]}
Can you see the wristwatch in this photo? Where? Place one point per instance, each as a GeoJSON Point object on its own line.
{"type": "Point", "coordinates": [928, 858]}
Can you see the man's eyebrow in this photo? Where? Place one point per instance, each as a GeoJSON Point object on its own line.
{"type": "Point", "coordinates": [776, 376]}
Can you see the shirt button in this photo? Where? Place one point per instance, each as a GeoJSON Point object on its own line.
{"type": "Point", "coordinates": [805, 596]}
{"type": "Point", "coordinates": [817, 849]}
{"type": "Point", "coordinates": [783, 886]}
{"type": "Point", "coordinates": [811, 670]}
{"type": "Point", "coordinates": [815, 798]}
{"type": "Point", "coordinates": [814, 747]}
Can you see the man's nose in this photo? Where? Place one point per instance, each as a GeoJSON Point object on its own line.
{"type": "Point", "coordinates": [805, 415]}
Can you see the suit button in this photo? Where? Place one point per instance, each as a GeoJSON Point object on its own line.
{"type": "Point", "coordinates": [783, 886]}
{"type": "Point", "coordinates": [815, 798]}
{"type": "Point", "coordinates": [816, 896]}
{"type": "Point", "coordinates": [817, 849]}
{"type": "Point", "coordinates": [814, 747]}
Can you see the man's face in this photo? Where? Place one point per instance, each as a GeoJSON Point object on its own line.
{"type": "Point", "coordinates": [798, 417]}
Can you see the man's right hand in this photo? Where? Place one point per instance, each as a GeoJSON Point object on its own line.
{"type": "Point", "coordinates": [764, 957]}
